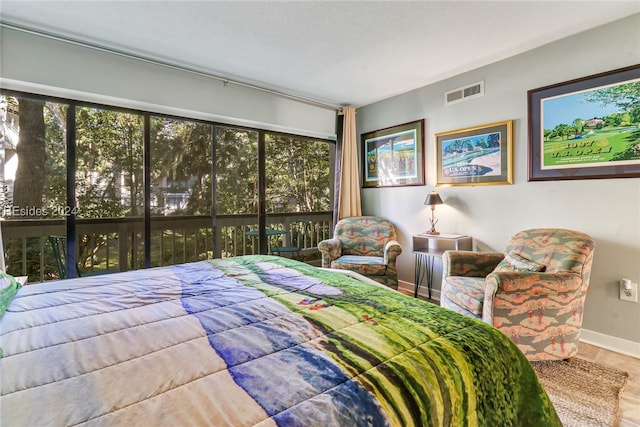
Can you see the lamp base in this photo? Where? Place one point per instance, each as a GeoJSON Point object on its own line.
{"type": "Point", "coordinates": [433, 222]}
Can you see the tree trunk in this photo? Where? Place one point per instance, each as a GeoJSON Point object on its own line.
{"type": "Point", "coordinates": [30, 176]}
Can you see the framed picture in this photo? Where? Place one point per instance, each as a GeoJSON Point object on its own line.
{"type": "Point", "coordinates": [480, 155]}
{"type": "Point", "coordinates": [586, 128]}
{"type": "Point", "coordinates": [394, 156]}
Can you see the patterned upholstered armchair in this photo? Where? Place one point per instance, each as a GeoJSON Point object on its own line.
{"type": "Point", "coordinates": [534, 292]}
{"type": "Point", "coordinates": [366, 245]}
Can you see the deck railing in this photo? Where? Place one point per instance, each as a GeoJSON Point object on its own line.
{"type": "Point", "coordinates": [116, 244]}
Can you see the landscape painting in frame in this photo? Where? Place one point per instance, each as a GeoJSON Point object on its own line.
{"type": "Point", "coordinates": [586, 128]}
{"type": "Point", "coordinates": [394, 156]}
{"type": "Point", "coordinates": [480, 155]}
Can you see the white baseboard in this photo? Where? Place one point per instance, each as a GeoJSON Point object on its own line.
{"type": "Point", "coordinates": [619, 345]}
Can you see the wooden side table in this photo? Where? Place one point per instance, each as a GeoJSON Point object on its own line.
{"type": "Point", "coordinates": [429, 247]}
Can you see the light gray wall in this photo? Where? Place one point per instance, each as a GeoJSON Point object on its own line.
{"type": "Point", "coordinates": [38, 64]}
{"type": "Point", "coordinates": [607, 209]}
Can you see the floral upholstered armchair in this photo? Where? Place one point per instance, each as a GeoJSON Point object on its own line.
{"type": "Point", "coordinates": [534, 292]}
{"type": "Point", "coordinates": [366, 245]}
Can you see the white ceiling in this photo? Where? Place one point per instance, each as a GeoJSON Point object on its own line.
{"type": "Point", "coordinates": [333, 52]}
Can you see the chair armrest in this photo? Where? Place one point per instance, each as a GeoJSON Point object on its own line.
{"type": "Point", "coordinates": [469, 263]}
{"type": "Point", "coordinates": [330, 250]}
{"type": "Point", "coordinates": [391, 251]}
{"type": "Point", "coordinates": [506, 292]}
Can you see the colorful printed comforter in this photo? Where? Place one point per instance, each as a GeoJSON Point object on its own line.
{"type": "Point", "coordinates": [254, 341]}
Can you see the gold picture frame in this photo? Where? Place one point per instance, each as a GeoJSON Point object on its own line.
{"type": "Point", "coordinates": [477, 155]}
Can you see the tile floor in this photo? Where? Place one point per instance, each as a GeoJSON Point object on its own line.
{"type": "Point", "coordinates": [630, 398]}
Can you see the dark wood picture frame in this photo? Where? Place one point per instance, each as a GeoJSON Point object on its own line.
{"type": "Point", "coordinates": [394, 156]}
{"type": "Point", "coordinates": [586, 128]}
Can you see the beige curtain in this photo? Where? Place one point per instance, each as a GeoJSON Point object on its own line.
{"type": "Point", "coordinates": [349, 198]}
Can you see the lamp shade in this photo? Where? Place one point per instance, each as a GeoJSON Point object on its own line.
{"type": "Point", "coordinates": [433, 199]}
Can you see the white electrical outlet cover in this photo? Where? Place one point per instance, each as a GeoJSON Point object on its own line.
{"type": "Point", "coordinates": [629, 294]}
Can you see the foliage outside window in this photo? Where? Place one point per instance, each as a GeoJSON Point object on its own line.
{"type": "Point", "coordinates": [109, 184]}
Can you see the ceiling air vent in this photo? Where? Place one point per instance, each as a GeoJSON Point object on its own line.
{"type": "Point", "coordinates": [463, 93]}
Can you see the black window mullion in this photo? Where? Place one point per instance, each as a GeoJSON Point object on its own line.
{"type": "Point", "coordinates": [217, 253]}
{"type": "Point", "coordinates": [262, 186]}
{"type": "Point", "coordinates": [71, 259]}
{"type": "Point", "coordinates": [146, 160]}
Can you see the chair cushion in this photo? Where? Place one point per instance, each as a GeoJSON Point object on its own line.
{"type": "Point", "coordinates": [365, 265]}
{"type": "Point", "coordinates": [447, 303]}
{"type": "Point", "coordinates": [466, 292]}
{"type": "Point", "coordinates": [514, 262]}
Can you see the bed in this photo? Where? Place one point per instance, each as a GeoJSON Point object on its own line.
{"type": "Point", "coordinates": [254, 341]}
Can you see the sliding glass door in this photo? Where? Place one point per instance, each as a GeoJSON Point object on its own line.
{"type": "Point", "coordinates": [299, 184]}
{"type": "Point", "coordinates": [180, 191]}
{"type": "Point", "coordinates": [237, 192]}
{"type": "Point", "coordinates": [109, 190]}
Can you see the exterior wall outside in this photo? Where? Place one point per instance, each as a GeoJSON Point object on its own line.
{"type": "Point", "coordinates": [607, 209]}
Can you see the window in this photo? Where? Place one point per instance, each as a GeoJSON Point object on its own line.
{"type": "Point", "coordinates": [33, 186]}
{"type": "Point", "coordinates": [128, 189]}
{"type": "Point", "coordinates": [109, 189]}
{"type": "Point", "coordinates": [180, 193]}
{"type": "Point", "coordinates": [236, 190]}
{"type": "Point", "coordinates": [299, 187]}
{"type": "Point", "coordinates": [298, 174]}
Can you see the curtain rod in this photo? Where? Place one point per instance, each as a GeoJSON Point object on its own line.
{"type": "Point", "coordinates": [112, 51]}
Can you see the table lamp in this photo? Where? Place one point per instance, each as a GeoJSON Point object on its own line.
{"type": "Point", "coordinates": [432, 200]}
